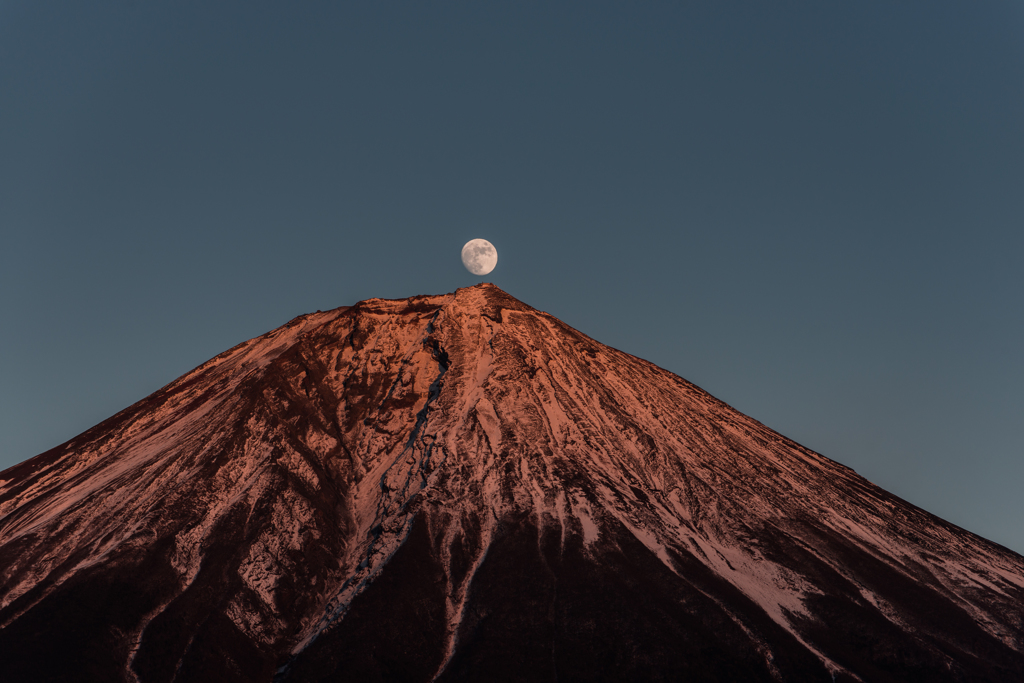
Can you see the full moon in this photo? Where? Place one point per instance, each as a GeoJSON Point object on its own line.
{"type": "Point", "coordinates": [479, 257]}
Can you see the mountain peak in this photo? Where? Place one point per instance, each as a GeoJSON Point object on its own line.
{"type": "Point", "coordinates": [488, 299]}
{"type": "Point", "coordinates": [460, 487]}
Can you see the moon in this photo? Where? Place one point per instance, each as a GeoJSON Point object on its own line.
{"type": "Point", "coordinates": [479, 257]}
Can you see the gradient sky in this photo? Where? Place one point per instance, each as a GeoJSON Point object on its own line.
{"type": "Point", "coordinates": [814, 211]}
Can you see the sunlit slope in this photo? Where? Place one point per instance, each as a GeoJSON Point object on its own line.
{"type": "Point", "coordinates": [461, 487]}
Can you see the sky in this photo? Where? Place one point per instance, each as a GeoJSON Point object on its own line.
{"type": "Point", "coordinates": [814, 211]}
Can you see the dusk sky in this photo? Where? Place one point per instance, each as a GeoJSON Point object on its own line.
{"type": "Point", "coordinates": [814, 211]}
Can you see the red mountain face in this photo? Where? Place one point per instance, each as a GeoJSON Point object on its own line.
{"type": "Point", "coordinates": [462, 488]}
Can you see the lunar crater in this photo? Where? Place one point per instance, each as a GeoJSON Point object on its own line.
{"type": "Point", "coordinates": [479, 256]}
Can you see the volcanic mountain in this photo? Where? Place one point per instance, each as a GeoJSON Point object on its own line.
{"type": "Point", "coordinates": [462, 488]}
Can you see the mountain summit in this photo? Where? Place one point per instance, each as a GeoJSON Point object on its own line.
{"type": "Point", "coordinates": [462, 488]}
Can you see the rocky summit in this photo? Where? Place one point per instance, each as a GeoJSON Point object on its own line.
{"type": "Point", "coordinates": [463, 488]}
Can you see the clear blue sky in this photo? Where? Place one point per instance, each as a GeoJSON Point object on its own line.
{"type": "Point", "coordinates": [815, 211]}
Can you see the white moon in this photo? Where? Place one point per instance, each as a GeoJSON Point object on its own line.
{"type": "Point", "coordinates": [479, 257]}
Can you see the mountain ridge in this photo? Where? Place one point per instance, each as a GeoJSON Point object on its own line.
{"type": "Point", "coordinates": [471, 465]}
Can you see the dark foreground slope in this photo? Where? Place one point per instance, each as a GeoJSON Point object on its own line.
{"type": "Point", "coordinates": [462, 488]}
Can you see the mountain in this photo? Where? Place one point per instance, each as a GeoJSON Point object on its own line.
{"type": "Point", "coordinates": [463, 488]}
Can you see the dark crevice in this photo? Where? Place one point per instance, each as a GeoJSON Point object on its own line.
{"type": "Point", "coordinates": [377, 530]}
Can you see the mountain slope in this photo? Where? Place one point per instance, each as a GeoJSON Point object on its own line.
{"type": "Point", "coordinates": [459, 488]}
